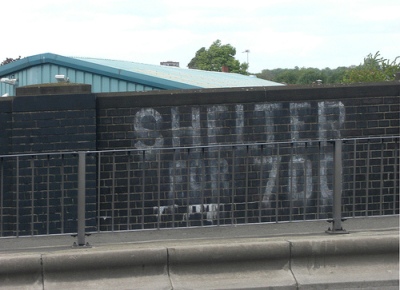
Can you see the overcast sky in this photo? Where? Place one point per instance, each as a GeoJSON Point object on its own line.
{"type": "Point", "coordinates": [278, 33]}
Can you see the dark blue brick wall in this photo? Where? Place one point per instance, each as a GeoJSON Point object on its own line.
{"type": "Point", "coordinates": [44, 200]}
{"type": "Point", "coordinates": [153, 186]}
{"type": "Point", "coordinates": [257, 184]}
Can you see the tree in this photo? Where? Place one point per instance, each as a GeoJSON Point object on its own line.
{"type": "Point", "coordinates": [309, 76]}
{"type": "Point", "coordinates": [334, 76]}
{"type": "Point", "coordinates": [296, 76]}
{"type": "Point", "coordinates": [216, 57]}
{"type": "Point", "coordinates": [8, 60]}
{"type": "Point", "coordinates": [374, 69]}
{"type": "Point", "coordinates": [288, 76]}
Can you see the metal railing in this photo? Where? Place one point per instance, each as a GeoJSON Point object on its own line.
{"type": "Point", "coordinates": [153, 188]}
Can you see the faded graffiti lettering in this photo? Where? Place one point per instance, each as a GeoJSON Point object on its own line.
{"type": "Point", "coordinates": [178, 131]}
{"type": "Point", "coordinates": [187, 191]}
{"type": "Point", "coordinates": [300, 169]}
{"type": "Point", "coordinates": [331, 117]}
{"type": "Point", "coordinates": [213, 173]}
{"type": "Point", "coordinates": [147, 127]}
{"type": "Point", "coordinates": [297, 110]}
{"type": "Point", "coordinates": [239, 124]}
{"type": "Point", "coordinates": [215, 123]}
{"type": "Point", "coordinates": [269, 110]}
{"type": "Point", "coordinates": [268, 164]}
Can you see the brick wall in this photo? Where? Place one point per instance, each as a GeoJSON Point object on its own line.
{"type": "Point", "coordinates": [155, 186]}
{"type": "Point", "coordinates": [39, 191]}
{"type": "Point", "coordinates": [242, 116]}
{"type": "Point", "coordinates": [258, 183]}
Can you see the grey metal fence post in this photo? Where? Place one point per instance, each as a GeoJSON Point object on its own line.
{"type": "Point", "coordinates": [81, 200]}
{"type": "Point", "coordinates": [337, 190]}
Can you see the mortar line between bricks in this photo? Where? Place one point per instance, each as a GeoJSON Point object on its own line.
{"type": "Point", "coordinates": [290, 263]}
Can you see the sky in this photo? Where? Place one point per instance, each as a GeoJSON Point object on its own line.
{"type": "Point", "coordinates": [277, 33]}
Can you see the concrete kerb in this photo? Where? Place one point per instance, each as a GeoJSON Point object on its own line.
{"type": "Point", "coordinates": [21, 272]}
{"type": "Point", "coordinates": [344, 245]}
{"type": "Point", "coordinates": [346, 262]}
{"type": "Point", "coordinates": [237, 266]}
{"type": "Point", "coordinates": [335, 262]}
{"type": "Point", "coordinates": [228, 253]}
{"type": "Point", "coordinates": [114, 269]}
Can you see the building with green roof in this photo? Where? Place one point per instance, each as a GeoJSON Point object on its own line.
{"type": "Point", "coordinates": [107, 76]}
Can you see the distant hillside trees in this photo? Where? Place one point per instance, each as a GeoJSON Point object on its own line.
{"type": "Point", "coordinates": [304, 76]}
{"type": "Point", "coordinates": [374, 69]}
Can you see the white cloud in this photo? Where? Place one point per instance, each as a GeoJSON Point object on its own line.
{"type": "Point", "coordinates": [278, 33]}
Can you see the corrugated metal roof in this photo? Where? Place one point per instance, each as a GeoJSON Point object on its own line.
{"type": "Point", "coordinates": [116, 76]}
{"type": "Point", "coordinates": [196, 78]}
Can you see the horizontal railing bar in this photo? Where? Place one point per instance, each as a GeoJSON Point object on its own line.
{"type": "Point", "coordinates": [33, 154]}
{"type": "Point", "coordinates": [200, 146]}
{"type": "Point", "coordinates": [204, 226]}
{"type": "Point", "coordinates": [244, 144]}
{"type": "Point", "coordinates": [236, 225]}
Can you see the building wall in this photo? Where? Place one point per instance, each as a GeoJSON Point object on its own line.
{"type": "Point", "coordinates": [45, 73]}
{"type": "Point", "coordinates": [290, 171]}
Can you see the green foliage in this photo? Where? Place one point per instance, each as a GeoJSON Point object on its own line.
{"type": "Point", "coordinates": [304, 76]}
{"type": "Point", "coordinates": [288, 76]}
{"type": "Point", "coordinates": [310, 75]}
{"type": "Point", "coordinates": [217, 56]}
{"type": "Point", "coordinates": [374, 69]}
{"type": "Point", "coordinates": [335, 76]}
{"type": "Point", "coordinates": [8, 60]}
